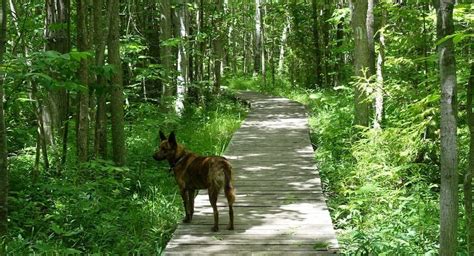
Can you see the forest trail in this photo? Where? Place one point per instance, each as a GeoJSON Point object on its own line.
{"type": "Point", "coordinates": [280, 208]}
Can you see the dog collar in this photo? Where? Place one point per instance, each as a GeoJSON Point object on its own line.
{"type": "Point", "coordinates": [177, 162]}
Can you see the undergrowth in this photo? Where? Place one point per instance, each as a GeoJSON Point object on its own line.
{"type": "Point", "coordinates": [383, 185]}
{"type": "Point", "coordinates": [103, 209]}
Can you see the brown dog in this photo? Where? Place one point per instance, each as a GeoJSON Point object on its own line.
{"type": "Point", "coordinates": [193, 172]}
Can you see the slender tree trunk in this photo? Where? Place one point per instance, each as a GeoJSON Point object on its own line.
{"type": "Point", "coordinates": [192, 48]}
{"type": "Point", "coordinates": [182, 63]}
{"type": "Point", "coordinates": [426, 43]}
{"type": "Point", "coordinates": [379, 107]}
{"type": "Point", "coordinates": [65, 136]}
{"type": "Point", "coordinates": [41, 138]}
{"type": "Point", "coordinates": [202, 44]}
{"type": "Point", "coordinates": [262, 41]}
{"type": "Point", "coordinates": [449, 176]}
{"type": "Point", "coordinates": [166, 54]}
{"type": "Point", "coordinates": [152, 29]}
{"type": "Point", "coordinates": [370, 36]}
{"type": "Point", "coordinates": [468, 178]}
{"type": "Point", "coordinates": [284, 36]}
{"type": "Point", "coordinates": [218, 44]}
{"type": "Point", "coordinates": [3, 132]}
{"type": "Point", "coordinates": [41, 141]}
{"type": "Point", "coordinates": [258, 37]}
{"type": "Point", "coordinates": [100, 139]}
{"type": "Point", "coordinates": [339, 55]}
{"type": "Point", "coordinates": [83, 103]}
{"type": "Point", "coordinates": [117, 100]}
{"type": "Point", "coordinates": [326, 28]}
{"type": "Point", "coordinates": [361, 59]}
{"type": "Point", "coordinates": [317, 48]}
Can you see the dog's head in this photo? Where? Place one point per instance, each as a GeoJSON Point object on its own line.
{"type": "Point", "coordinates": [167, 149]}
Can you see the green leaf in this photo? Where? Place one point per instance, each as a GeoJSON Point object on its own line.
{"type": "Point", "coordinates": [73, 86]}
{"type": "Point", "coordinates": [78, 56]}
{"type": "Point", "coordinates": [57, 229]}
{"type": "Point", "coordinates": [458, 37]}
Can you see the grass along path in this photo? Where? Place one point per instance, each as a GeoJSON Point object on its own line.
{"type": "Point", "coordinates": [106, 209]}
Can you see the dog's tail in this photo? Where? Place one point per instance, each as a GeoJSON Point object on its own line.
{"type": "Point", "coordinates": [228, 187]}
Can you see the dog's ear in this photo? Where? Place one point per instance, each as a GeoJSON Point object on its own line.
{"type": "Point", "coordinates": [172, 140]}
{"type": "Point", "coordinates": [162, 136]}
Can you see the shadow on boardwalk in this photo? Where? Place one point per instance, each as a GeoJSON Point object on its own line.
{"type": "Point", "coordinates": [280, 208]}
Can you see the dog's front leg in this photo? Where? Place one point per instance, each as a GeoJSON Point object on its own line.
{"type": "Point", "coordinates": [184, 195]}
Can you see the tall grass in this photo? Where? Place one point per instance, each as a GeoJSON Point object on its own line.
{"type": "Point", "coordinates": [383, 185]}
{"type": "Point", "coordinates": [103, 209]}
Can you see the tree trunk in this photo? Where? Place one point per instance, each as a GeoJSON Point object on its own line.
{"type": "Point", "coordinates": [361, 59]}
{"type": "Point", "coordinates": [3, 131]}
{"type": "Point", "coordinates": [378, 104]}
{"type": "Point", "coordinates": [258, 37]}
{"type": "Point", "coordinates": [116, 102]}
{"type": "Point", "coordinates": [284, 36]}
{"type": "Point", "coordinates": [182, 63]}
{"type": "Point", "coordinates": [339, 54]}
{"type": "Point", "coordinates": [41, 134]}
{"type": "Point", "coordinates": [370, 36]}
{"type": "Point", "coordinates": [317, 48]}
{"type": "Point", "coordinates": [152, 36]}
{"type": "Point", "coordinates": [449, 176]}
{"type": "Point", "coordinates": [326, 28]}
{"type": "Point", "coordinates": [195, 56]}
{"type": "Point", "coordinates": [82, 137]}
{"type": "Point", "coordinates": [218, 45]}
{"type": "Point", "coordinates": [468, 178]}
{"type": "Point", "coordinates": [57, 35]}
{"type": "Point", "coordinates": [100, 139]}
{"type": "Point", "coordinates": [202, 43]}
{"type": "Point", "coordinates": [166, 52]}
{"type": "Point", "coordinates": [262, 41]}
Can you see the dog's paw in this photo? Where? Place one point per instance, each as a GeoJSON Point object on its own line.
{"type": "Point", "coordinates": [215, 229]}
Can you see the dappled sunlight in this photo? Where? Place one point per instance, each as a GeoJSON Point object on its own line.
{"type": "Point", "coordinates": [279, 201]}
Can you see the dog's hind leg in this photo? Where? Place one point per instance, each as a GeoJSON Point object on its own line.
{"type": "Point", "coordinates": [184, 195]}
{"type": "Point", "coordinates": [230, 195]}
{"type": "Point", "coordinates": [213, 193]}
{"type": "Point", "coordinates": [191, 195]}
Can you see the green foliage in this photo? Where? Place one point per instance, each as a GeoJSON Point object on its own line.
{"type": "Point", "coordinates": [100, 208]}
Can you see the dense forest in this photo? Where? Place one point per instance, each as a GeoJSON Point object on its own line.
{"type": "Point", "coordinates": [86, 85]}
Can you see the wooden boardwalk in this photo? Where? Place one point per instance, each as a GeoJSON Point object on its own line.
{"type": "Point", "coordinates": [280, 208]}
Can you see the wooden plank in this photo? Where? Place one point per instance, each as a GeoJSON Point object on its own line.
{"type": "Point", "coordinates": [219, 240]}
{"type": "Point", "coordinates": [253, 228]}
{"type": "Point", "coordinates": [280, 208]}
{"type": "Point", "coordinates": [214, 248]}
{"type": "Point", "coordinates": [244, 252]}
